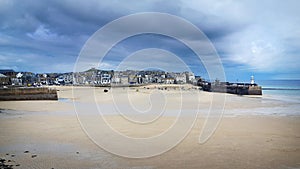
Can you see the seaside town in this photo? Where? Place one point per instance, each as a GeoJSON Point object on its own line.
{"type": "Point", "coordinates": [96, 77]}
{"type": "Point", "coordinates": [31, 86]}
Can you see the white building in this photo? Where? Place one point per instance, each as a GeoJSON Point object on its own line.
{"type": "Point", "coordinates": [105, 78]}
{"type": "Point", "coordinates": [190, 77]}
{"type": "Point", "coordinates": [180, 78]}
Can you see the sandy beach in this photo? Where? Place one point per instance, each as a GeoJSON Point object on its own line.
{"type": "Point", "coordinates": [47, 134]}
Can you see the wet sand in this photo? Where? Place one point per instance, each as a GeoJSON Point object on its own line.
{"type": "Point", "coordinates": [50, 130]}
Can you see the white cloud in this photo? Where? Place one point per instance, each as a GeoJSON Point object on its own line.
{"type": "Point", "coordinates": [42, 33]}
{"type": "Point", "coordinates": [259, 49]}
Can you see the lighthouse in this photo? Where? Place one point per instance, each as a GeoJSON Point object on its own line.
{"type": "Point", "coordinates": [252, 82]}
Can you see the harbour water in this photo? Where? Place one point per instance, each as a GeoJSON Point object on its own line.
{"type": "Point", "coordinates": [283, 95]}
{"type": "Point", "coordinates": [285, 90]}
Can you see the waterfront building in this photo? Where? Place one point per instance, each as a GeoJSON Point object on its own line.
{"type": "Point", "coordinates": [4, 80]}
{"type": "Point", "coordinates": [105, 78]}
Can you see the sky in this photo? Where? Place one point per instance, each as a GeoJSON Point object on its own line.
{"type": "Point", "coordinates": [251, 37]}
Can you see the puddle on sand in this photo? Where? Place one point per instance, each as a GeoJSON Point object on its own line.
{"type": "Point", "coordinates": [66, 100]}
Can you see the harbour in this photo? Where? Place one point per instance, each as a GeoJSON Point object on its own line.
{"type": "Point", "coordinates": [233, 88]}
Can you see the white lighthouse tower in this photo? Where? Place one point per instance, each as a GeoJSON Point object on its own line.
{"type": "Point", "coordinates": [252, 82]}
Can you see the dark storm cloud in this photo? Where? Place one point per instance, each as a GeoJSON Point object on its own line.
{"type": "Point", "coordinates": [258, 36]}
